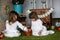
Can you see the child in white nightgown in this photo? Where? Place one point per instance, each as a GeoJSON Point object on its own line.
{"type": "Point", "coordinates": [38, 29]}
{"type": "Point", "coordinates": [11, 26]}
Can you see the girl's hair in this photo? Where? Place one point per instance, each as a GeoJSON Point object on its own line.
{"type": "Point", "coordinates": [11, 15]}
{"type": "Point", "coordinates": [33, 15]}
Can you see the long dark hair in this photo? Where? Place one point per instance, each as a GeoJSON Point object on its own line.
{"type": "Point", "coordinates": [11, 15]}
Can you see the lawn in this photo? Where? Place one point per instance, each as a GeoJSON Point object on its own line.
{"type": "Point", "coordinates": [55, 36]}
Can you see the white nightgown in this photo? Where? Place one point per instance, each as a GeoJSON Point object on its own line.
{"type": "Point", "coordinates": [11, 30]}
{"type": "Point", "coordinates": [37, 26]}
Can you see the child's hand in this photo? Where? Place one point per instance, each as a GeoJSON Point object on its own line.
{"type": "Point", "coordinates": [29, 29]}
{"type": "Point", "coordinates": [40, 32]}
{"type": "Point", "coordinates": [25, 29]}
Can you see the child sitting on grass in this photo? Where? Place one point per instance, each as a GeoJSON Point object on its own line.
{"type": "Point", "coordinates": [38, 29]}
{"type": "Point", "coordinates": [11, 25]}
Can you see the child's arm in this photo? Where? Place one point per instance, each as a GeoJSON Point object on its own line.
{"type": "Point", "coordinates": [22, 27]}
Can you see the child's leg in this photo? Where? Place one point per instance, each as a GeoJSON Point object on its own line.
{"type": "Point", "coordinates": [51, 32]}
{"type": "Point", "coordinates": [7, 35]}
{"type": "Point", "coordinates": [44, 32]}
{"type": "Point", "coordinates": [44, 28]}
{"type": "Point", "coordinates": [35, 34]}
{"type": "Point", "coordinates": [12, 34]}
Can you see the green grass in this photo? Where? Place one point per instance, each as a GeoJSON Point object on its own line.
{"type": "Point", "coordinates": [55, 36]}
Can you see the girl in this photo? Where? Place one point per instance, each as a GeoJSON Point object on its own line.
{"type": "Point", "coordinates": [11, 25]}
{"type": "Point", "coordinates": [36, 25]}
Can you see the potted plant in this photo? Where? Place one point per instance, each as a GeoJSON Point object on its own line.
{"type": "Point", "coordinates": [29, 33]}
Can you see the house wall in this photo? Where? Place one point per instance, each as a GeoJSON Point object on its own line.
{"type": "Point", "coordinates": [5, 7]}
{"type": "Point", "coordinates": [29, 5]}
{"type": "Point", "coordinates": [26, 6]}
{"type": "Point", "coordinates": [56, 6]}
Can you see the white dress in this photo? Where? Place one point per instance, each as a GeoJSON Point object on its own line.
{"type": "Point", "coordinates": [11, 30]}
{"type": "Point", "coordinates": [37, 26]}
